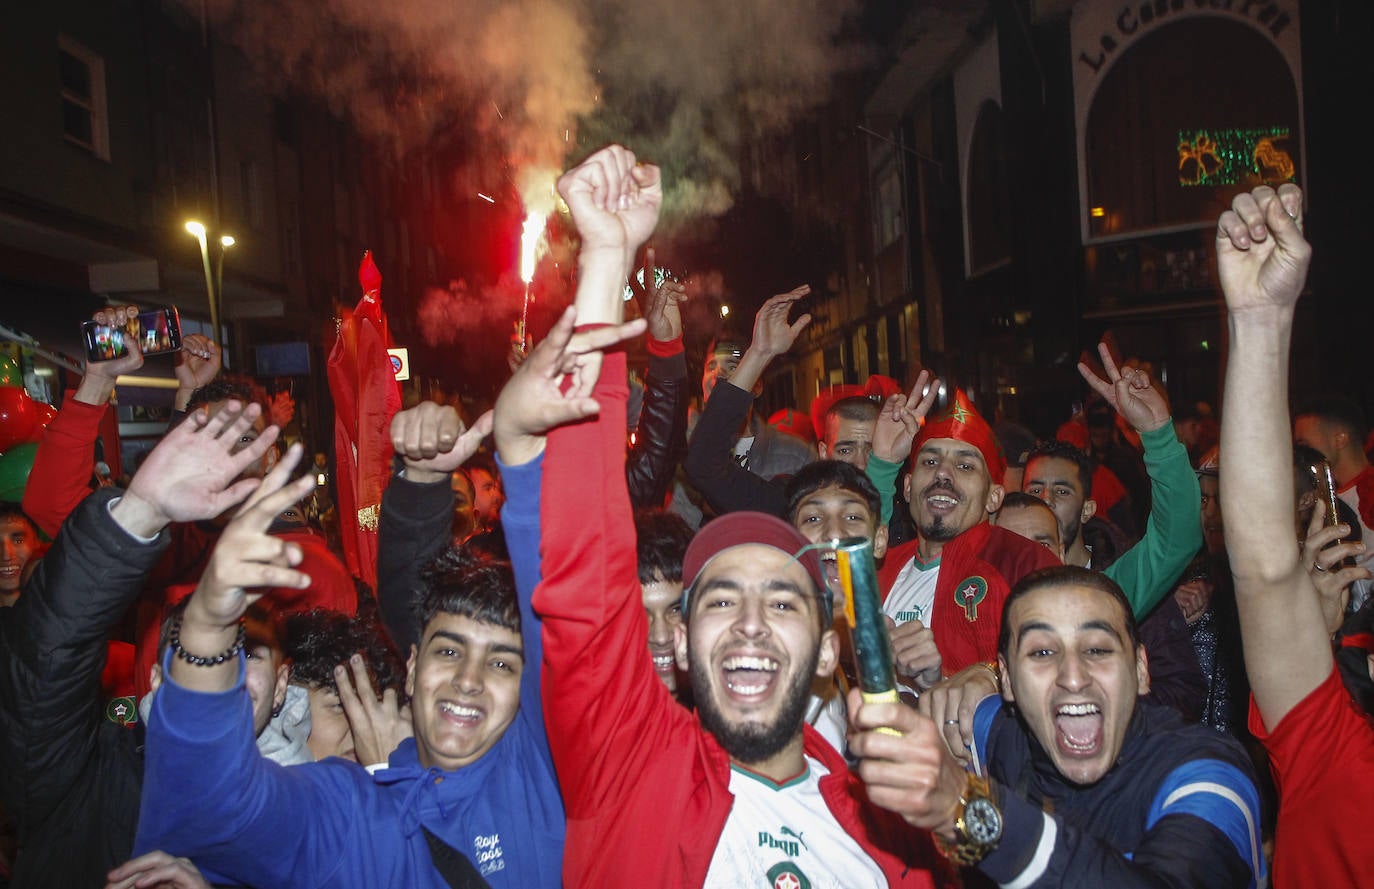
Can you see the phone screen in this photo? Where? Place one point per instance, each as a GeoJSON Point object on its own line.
{"type": "Point", "coordinates": [157, 332]}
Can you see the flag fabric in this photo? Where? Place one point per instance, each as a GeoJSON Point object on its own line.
{"type": "Point", "coordinates": [366, 397]}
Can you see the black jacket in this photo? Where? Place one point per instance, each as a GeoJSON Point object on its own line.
{"type": "Point", "coordinates": [773, 459]}
{"type": "Point", "coordinates": [70, 778]}
{"type": "Point", "coordinates": [661, 436]}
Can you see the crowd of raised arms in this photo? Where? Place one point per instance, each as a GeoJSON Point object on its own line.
{"type": "Point", "coordinates": [1139, 652]}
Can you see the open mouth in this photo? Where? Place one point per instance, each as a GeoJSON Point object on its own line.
{"type": "Point", "coordinates": [663, 663]}
{"type": "Point", "coordinates": [460, 714]}
{"type": "Point", "coordinates": [749, 676]}
{"type": "Point", "coordinates": [941, 501]}
{"type": "Point", "coordinates": [1078, 729]}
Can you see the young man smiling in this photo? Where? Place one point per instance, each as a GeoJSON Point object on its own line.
{"type": "Point", "coordinates": [1076, 782]}
{"type": "Point", "coordinates": [740, 792]}
{"type": "Point", "coordinates": [470, 800]}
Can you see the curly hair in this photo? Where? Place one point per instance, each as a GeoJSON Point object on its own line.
{"type": "Point", "coordinates": [319, 640]}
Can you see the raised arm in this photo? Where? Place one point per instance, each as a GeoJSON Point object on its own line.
{"type": "Point", "coordinates": [53, 642]}
{"type": "Point", "coordinates": [1146, 572]}
{"type": "Point", "coordinates": [600, 685]}
{"type": "Point", "coordinates": [65, 458]}
{"type": "Point", "coordinates": [417, 508]}
{"type": "Point", "coordinates": [899, 422]}
{"type": "Point", "coordinates": [207, 793]}
{"type": "Point", "coordinates": [726, 485]}
{"type": "Point", "coordinates": [530, 404]}
{"type": "Point", "coordinates": [661, 436]}
{"type": "Point", "coordinates": [1262, 259]}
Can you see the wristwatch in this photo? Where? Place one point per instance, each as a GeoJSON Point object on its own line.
{"type": "Point", "coordinates": [977, 824]}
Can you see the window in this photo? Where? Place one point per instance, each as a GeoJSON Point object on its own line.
{"type": "Point", "coordinates": [85, 120]}
{"type": "Point", "coordinates": [888, 206]}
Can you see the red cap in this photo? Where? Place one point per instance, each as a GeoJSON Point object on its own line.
{"type": "Point", "coordinates": [878, 387]}
{"type": "Point", "coordinates": [739, 528]}
{"type": "Point", "coordinates": [962, 422]}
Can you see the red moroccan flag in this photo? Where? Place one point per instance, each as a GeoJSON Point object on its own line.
{"type": "Point", "coordinates": [366, 396]}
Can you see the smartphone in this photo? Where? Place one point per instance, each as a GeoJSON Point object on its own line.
{"type": "Point", "coordinates": [157, 332]}
{"type": "Point", "coordinates": [1326, 492]}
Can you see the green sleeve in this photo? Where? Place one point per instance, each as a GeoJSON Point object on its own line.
{"type": "Point", "coordinates": [884, 477]}
{"type": "Point", "coordinates": [1146, 572]}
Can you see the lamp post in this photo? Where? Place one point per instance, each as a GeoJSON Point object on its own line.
{"type": "Point", "coordinates": [214, 280]}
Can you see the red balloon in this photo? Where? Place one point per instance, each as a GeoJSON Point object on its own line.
{"type": "Point", "coordinates": [18, 418]}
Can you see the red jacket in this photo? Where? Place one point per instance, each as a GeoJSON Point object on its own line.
{"type": "Point", "coordinates": [645, 786]}
{"type": "Point", "coordinates": [984, 560]}
{"type": "Point", "coordinates": [62, 465]}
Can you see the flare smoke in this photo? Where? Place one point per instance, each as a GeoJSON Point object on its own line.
{"type": "Point", "coordinates": [686, 83]}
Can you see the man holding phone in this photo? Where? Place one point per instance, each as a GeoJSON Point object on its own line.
{"type": "Point", "coordinates": [154, 332]}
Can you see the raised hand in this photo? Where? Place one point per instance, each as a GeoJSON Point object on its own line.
{"type": "Point", "coordinates": [194, 472]}
{"type": "Point", "coordinates": [281, 408]}
{"type": "Point", "coordinates": [432, 440]}
{"type": "Point", "coordinates": [773, 336]}
{"type": "Point", "coordinates": [117, 316]}
{"type": "Point", "coordinates": [198, 361]}
{"type": "Point", "coordinates": [378, 725]}
{"type": "Point", "coordinates": [901, 418]}
{"type": "Point", "coordinates": [661, 309]}
{"type": "Point", "coordinates": [1262, 256]}
{"type": "Point", "coordinates": [1323, 552]}
{"type": "Point", "coordinates": [247, 559]}
{"type": "Point", "coordinates": [1129, 391]}
{"type": "Point", "coordinates": [553, 386]}
{"type": "Point", "coordinates": [614, 200]}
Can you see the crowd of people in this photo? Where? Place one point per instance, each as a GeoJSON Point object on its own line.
{"type": "Point", "coordinates": [1129, 654]}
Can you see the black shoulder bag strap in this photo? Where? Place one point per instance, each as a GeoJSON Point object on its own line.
{"type": "Point", "coordinates": [453, 865]}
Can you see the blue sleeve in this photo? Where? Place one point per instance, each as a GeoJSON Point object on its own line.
{"type": "Point", "coordinates": [983, 715]}
{"type": "Point", "coordinates": [1223, 796]}
{"type": "Point", "coordinates": [208, 794]}
{"type": "Point", "coordinates": [520, 521]}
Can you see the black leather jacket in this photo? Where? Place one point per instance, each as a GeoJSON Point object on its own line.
{"type": "Point", "coordinates": [70, 778]}
{"type": "Point", "coordinates": [661, 436]}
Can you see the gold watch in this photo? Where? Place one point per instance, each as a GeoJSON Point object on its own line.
{"type": "Point", "coordinates": [977, 824]}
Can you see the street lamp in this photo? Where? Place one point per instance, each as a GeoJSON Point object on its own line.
{"type": "Point", "coordinates": [214, 281]}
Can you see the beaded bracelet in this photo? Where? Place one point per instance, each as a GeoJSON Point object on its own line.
{"type": "Point", "coordinates": [195, 660]}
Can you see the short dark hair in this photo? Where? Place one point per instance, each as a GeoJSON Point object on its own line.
{"type": "Point", "coordinates": [1063, 450]}
{"type": "Point", "coordinates": [465, 583]}
{"type": "Point", "coordinates": [1064, 575]}
{"type": "Point", "coordinates": [824, 473]}
{"type": "Point", "coordinates": [1337, 410]}
{"type": "Point", "coordinates": [855, 407]}
{"type": "Point", "coordinates": [1022, 500]}
{"type": "Point", "coordinates": [225, 387]}
{"type": "Point", "coordinates": [663, 538]}
{"type": "Point", "coordinates": [483, 461]}
{"type": "Point", "coordinates": [222, 388]}
{"type": "Point", "coordinates": [10, 509]}
{"type": "Point", "coordinates": [319, 640]}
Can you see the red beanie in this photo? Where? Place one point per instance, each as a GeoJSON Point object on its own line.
{"type": "Point", "coordinates": [962, 422]}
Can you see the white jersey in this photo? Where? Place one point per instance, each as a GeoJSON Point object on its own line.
{"type": "Point", "coordinates": [783, 836]}
{"type": "Point", "coordinates": [913, 593]}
